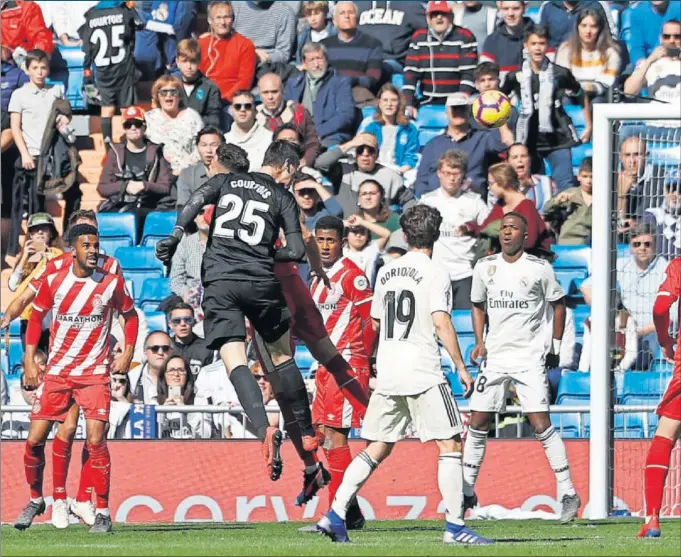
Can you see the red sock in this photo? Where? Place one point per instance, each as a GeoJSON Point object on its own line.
{"type": "Point", "coordinates": [348, 384]}
{"type": "Point", "coordinates": [85, 485]}
{"type": "Point", "coordinates": [61, 456]}
{"type": "Point", "coordinates": [657, 466]}
{"type": "Point", "coordinates": [100, 473]}
{"type": "Point", "coordinates": [293, 431]}
{"type": "Point", "coordinates": [339, 459]}
{"type": "Point", "coordinates": [34, 465]}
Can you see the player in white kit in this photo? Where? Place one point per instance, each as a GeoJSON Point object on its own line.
{"type": "Point", "coordinates": [412, 303]}
{"type": "Point", "coordinates": [521, 299]}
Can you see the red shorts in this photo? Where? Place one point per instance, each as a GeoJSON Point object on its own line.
{"type": "Point", "coordinates": [330, 407]}
{"type": "Point", "coordinates": [670, 405]}
{"type": "Point", "coordinates": [306, 321]}
{"type": "Point", "coordinates": [56, 395]}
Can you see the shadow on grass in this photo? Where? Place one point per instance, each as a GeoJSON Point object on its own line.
{"type": "Point", "coordinates": [187, 527]}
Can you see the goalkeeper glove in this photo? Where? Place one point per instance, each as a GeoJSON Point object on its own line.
{"type": "Point", "coordinates": [165, 249]}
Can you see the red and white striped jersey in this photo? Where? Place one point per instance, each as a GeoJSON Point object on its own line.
{"type": "Point", "coordinates": [345, 310]}
{"type": "Point", "coordinates": [669, 293]}
{"type": "Point", "coordinates": [105, 262]}
{"type": "Point", "coordinates": [82, 312]}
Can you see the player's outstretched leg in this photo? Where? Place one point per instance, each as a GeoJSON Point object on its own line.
{"type": "Point", "coordinates": [82, 506]}
{"type": "Point", "coordinates": [657, 467]}
{"type": "Point", "coordinates": [363, 465]}
{"type": "Point", "coordinates": [557, 457]}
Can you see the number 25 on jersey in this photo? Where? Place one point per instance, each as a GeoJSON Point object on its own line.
{"type": "Point", "coordinates": [241, 219]}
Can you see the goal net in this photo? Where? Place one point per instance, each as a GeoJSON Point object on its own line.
{"type": "Point", "coordinates": [636, 232]}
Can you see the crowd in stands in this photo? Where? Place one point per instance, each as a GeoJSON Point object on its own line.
{"type": "Point", "coordinates": [378, 95]}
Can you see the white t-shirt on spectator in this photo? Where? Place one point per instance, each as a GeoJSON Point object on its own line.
{"type": "Point", "coordinates": [255, 143]}
{"type": "Point", "coordinates": [35, 106]}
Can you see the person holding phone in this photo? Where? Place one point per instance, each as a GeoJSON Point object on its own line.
{"type": "Point", "coordinates": [42, 244]}
{"type": "Point", "coordinates": [176, 383]}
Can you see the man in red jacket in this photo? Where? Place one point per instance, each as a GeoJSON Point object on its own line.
{"type": "Point", "coordinates": [23, 26]}
{"type": "Point", "coordinates": [227, 57]}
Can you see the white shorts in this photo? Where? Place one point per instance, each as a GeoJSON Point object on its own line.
{"type": "Point", "coordinates": [433, 413]}
{"type": "Point", "coordinates": [490, 391]}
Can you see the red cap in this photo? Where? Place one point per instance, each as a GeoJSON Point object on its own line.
{"type": "Point", "coordinates": [442, 7]}
{"type": "Point", "coordinates": [133, 113]}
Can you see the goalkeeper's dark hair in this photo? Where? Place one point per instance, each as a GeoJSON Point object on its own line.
{"type": "Point", "coordinates": [282, 152]}
{"type": "Point", "coordinates": [233, 158]}
{"type": "Point", "coordinates": [82, 230]}
{"type": "Point", "coordinates": [421, 226]}
{"type": "Point", "coordinates": [329, 222]}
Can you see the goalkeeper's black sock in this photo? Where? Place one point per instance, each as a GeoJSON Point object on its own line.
{"type": "Point", "coordinates": [250, 398]}
{"type": "Point", "coordinates": [107, 130]}
{"type": "Point", "coordinates": [292, 388]}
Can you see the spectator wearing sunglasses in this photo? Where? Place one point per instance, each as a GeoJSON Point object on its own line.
{"type": "Point", "coordinates": [144, 378]}
{"type": "Point", "coordinates": [246, 132]}
{"type": "Point", "coordinates": [639, 276]}
{"type": "Point", "coordinates": [135, 177]}
{"type": "Point", "coordinates": [191, 347]}
{"type": "Point", "coordinates": [347, 177]}
{"type": "Point", "coordinates": [185, 273]}
{"type": "Point", "coordinates": [173, 124]}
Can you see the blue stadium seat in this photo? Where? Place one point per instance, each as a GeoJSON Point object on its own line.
{"type": "Point", "coordinates": [16, 356]}
{"type": "Point", "coordinates": [304, 360]}
{"type": "Point", "coordinates": [157, 226]}
{"type": "Point", "coordinates": [653, 418]}
{"type": "Point", "coordinates": [571, 257]}
{"type": "Point", "coordinates": [623, 250]}
{"type": "Point", "coordinates": [579, 314]}
{"type": "Point", "coordinates": [154, 291]}
{"type": "Point", "coordinates": [661, 365]}
{"type": "Point", "coordinates": [567, 425]}
{"type": "Point", "coordinates": [666, 154]}
{"type": "Point", "coordinates": [368, 111]}
{"type": "Point", "coordinates": [533, 13]}
{"type": "Point", "coordinates": [15, 329]}
{"type": "Point", "coordinates": [398, 80]}
{"type": "Point", "coordinates": [66, 67]}
{"type": "Point", "coordinates": [576, 114]}
{"type": "Point", "coordinates": [138, 264]}
{"type": "Point", "coordinates": [463, 324]}
{"type": "Point", "coordinates": [116, 230]}
{"type": "Point", "coordinates": [431, 122]}
{"type": "Point", "coordinates": [574, 386]}
{"type": "Point", "coordinates": [646, 384]}
{"type": "Point", "coordinates": [156, 321]}
{"type": "Point", "coordinates": [579, 153]}
{"type": "Point", "coordinates": [569, 279]}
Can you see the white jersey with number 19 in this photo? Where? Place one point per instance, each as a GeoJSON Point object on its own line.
{"type": "Point", "coordinates": [407, 292]}
{"type": "Point", "coordinates": [517, 297]}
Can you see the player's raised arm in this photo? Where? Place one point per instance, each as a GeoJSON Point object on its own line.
{"type": "Point", "coordinates": [205, 195]}
{"type": "Point", "coordinates": [668, 293]}
{"type": "Point", "coordinates": [294, 250]}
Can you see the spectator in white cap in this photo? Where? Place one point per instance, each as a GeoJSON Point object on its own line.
{"type": "Point", "coordinates": [481, 147]}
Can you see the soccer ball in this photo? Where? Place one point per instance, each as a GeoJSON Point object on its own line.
{"type": "Point", "coordinates": [492, 109]}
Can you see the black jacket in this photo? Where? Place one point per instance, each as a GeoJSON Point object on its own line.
{"type": "Point", "coordinates": [196, 353]}
{"type": "Point", "coordinates": [205, 99]}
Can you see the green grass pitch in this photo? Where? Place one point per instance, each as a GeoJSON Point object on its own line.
{"type": "Point", "coordinates": [616, 537]}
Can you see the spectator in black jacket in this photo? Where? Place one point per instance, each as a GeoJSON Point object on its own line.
{"type": "Point", "coordinates": [184, 342]}
{"type": "Point", "coordinates": [198, 92]}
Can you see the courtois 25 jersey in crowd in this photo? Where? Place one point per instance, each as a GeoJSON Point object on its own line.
{"type": "Point", "coordinates": [108, 36]}
{"type": "Point", "coordinates": [82, 310]}
{"type": "Point", "coordinates": [104, 262]}
{"type": "Point", "coordinates": [517, 296]}
{"type": "Point", "coordinates": [341, 307]}
{"type": "Point", "coordinates": [249, 211]}
{"type": "Point", "coordinates": [407, 292]}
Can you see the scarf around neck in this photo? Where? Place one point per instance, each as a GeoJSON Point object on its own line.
{"type": "Point", "coordinates": [527, 99]}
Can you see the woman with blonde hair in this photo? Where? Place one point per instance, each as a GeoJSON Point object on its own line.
{"type": "Point", "coordinates": [504, 185]}
{"type": "Point", "coordinates": [171, 124]}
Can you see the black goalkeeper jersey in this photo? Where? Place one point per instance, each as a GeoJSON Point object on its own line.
{"type": "Point", "coordinates": [108, 36]}
{"type": "Point", "coordinates": [250, 209]}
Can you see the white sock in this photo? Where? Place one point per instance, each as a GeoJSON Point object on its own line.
{"type": "Point", "coordinates": [359, 471]}
{"type": "Point", "coordinates": [103, 512]}
{"type": "Point", "coordinates": [36, 499]}
{"type": "Point", "coordinates": [557, 456]}
{"type": "Point", "coordinates": [450, 482]}
{"type": "Point", "coordinates": [473, 454]}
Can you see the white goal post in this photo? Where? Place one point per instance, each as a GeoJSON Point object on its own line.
{"type": "Point", "coordinates": [602, 265]}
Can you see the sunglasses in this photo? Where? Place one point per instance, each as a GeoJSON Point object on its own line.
{"type": "Point", "coordinates": [639, 244]}
{"type": "Point", "coordinates": [177, 371]}
{"type": "Point", "coordinates": [366, 148]}
{"type": "Point", "coordinates": [134, 124]}
{"type": "Point", "coordinates": [28, 388]}
{"type": "Point", "coordinates": [667, 36]}
{"type": "Point", "coordinates": [244, 106]}
{"type": "Point", "coordinates": [169, 92]}
{"type": "Point", "coordinates": [157, 348]}
{"type": "Point", "coordinates": [306, 192]}
{"type": "Point", "coordinates": [258, 377]}
{"type": "Point", "coordinates": [119, 381]}
{"type": "Point", "coordinates": [179, 320]}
